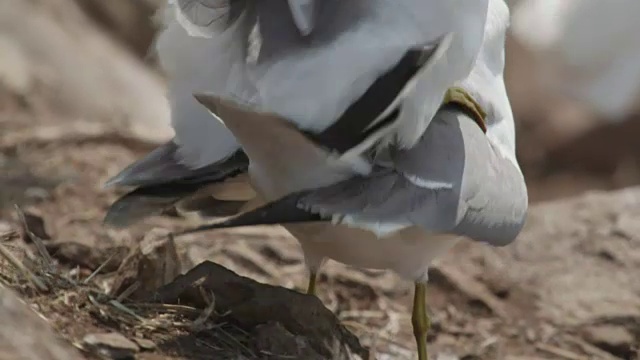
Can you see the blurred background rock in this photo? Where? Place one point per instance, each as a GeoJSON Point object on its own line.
{"type": "Point", "coordinates": [129, 22]}
{"type": "Point", "coordinates": [573, 75]}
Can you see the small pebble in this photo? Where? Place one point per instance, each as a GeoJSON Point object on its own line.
{"type": "Point", "coordinates": [37, 193]}
{"type": "Point", "coordinates": [612, 338]}
{"type": "Point", "coordinates": [111, 345]}
{"type": "Point", "coordinates": [145, 344]}
{"type": "Point", "coordinates": [5, 227]}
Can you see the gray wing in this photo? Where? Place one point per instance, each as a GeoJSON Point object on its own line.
{"type": "Point", "coordinates": [162, 181]}
{"type": "Point", "coordinates": [163, 165]}
{"type": "Point", "coordinates": [453, 181]}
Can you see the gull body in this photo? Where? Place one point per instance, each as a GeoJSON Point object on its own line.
{"type": "Point", "coordinates": [405, 249]}
{"type": "Point", "coordinates": [312, 80]}
{"type": "Point", "coordinates": [395, 176]}
{"type": "Point", "coordinates": [460, 164]}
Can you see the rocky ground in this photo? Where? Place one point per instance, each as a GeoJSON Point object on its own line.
{"type": "Point", "coordinates": [77, 104]}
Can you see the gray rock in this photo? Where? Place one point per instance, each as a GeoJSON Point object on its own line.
{"type": "Point", "coordinates": [612, 338]}
{"type": "Point", "coordinates": [279, 320]}
{"type": "Point", "coordinates": [145, 344]}
{"type": "Point", "coordinates": [112, 345]}
{"type": "Point", "coordinates": [25, 335]}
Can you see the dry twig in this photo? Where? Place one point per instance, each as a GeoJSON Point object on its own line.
{"type": "Point", "coordinates": [565, 354]}
{"type": "Point", "coordinates": [25, 272]}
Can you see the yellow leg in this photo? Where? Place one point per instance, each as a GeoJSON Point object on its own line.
{"type": "Point", "coordinates": [420, 320]}
{"type": "Point", "coordinates": [311, 287]}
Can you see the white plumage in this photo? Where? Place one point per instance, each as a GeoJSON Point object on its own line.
{"type": "Point", "coordinates": [283, 162]}
{"type": "Point", "coordinates": [314, 82]}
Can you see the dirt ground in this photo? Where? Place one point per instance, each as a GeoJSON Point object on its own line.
{"type": "Point", "coordinates": [568, 289]}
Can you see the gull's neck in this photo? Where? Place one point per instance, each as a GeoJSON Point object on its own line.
{"type": "Point", "coordinates": [486, 81]}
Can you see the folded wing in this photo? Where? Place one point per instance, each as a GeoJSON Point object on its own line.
{"type": "Point", "coordinates": [453, 181]}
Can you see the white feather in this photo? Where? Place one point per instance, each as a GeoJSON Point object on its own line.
{"type": "Point", "coordinates": [467, 23]}
{"type": "Point", "coordinates": [486, 82]}
{"type": "Point", "coordinates": [197, 64]}
{"type": "Point", "coordinates": [428, 184]}
{"type": "Point", "coordinates": [295, 83]}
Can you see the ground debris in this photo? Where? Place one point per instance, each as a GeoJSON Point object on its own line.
{"type": "Point", "coordinates": [274, 338]}
{"type": "Point", "coordinates": [6, 231]}
{"type": "Point", "coordinates": [90, 257]}
{"type": "Point", "coordinates": [471, 288]}
{"type": "Point", "coordinates": [612, 338]}
{"type": "Point", "coordinates": [299, 319]}
{"type": "Point", "coordinates": [32, 226]}
{"type": "Point", "coordinates": [148, 267]}
{"type": "Point", "coordinates": [145, 344]}
{"type": "Point", "coordinates": [226, 316]}
{"type": "Point", "coordinates": [111, 345]}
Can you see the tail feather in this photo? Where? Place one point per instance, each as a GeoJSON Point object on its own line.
{"type": "Point", "coordinates": [211, 207]}
{"type": "Point", "coordinates": [283, 211]}
{"type": "Point", "coordinates": [161, 163]}
{"type": "Point", "coordinates": [146, 201]}
{"type": "Point", "coordinates": [163, 182]}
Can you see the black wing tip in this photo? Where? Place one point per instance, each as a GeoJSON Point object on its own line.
{"type": "Point", "coordinates": [125, 177]}
{"type": "Point", "coordinates": [125, 212]}
{"type": "Point", "coordinates": [144, 202]}
{"type": "Point", "coordinates": [139, 172]}
{"type": "Point", "coordinates": [283, 211]}
{"type": "Point", "coordinates": [207, 100]}
{"type": "Point", "coordinates": [152, 199]}
{"type": "Point", "coordinates": [118, 219]}
{"type": "Point", "coordinates": [119, 180]}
